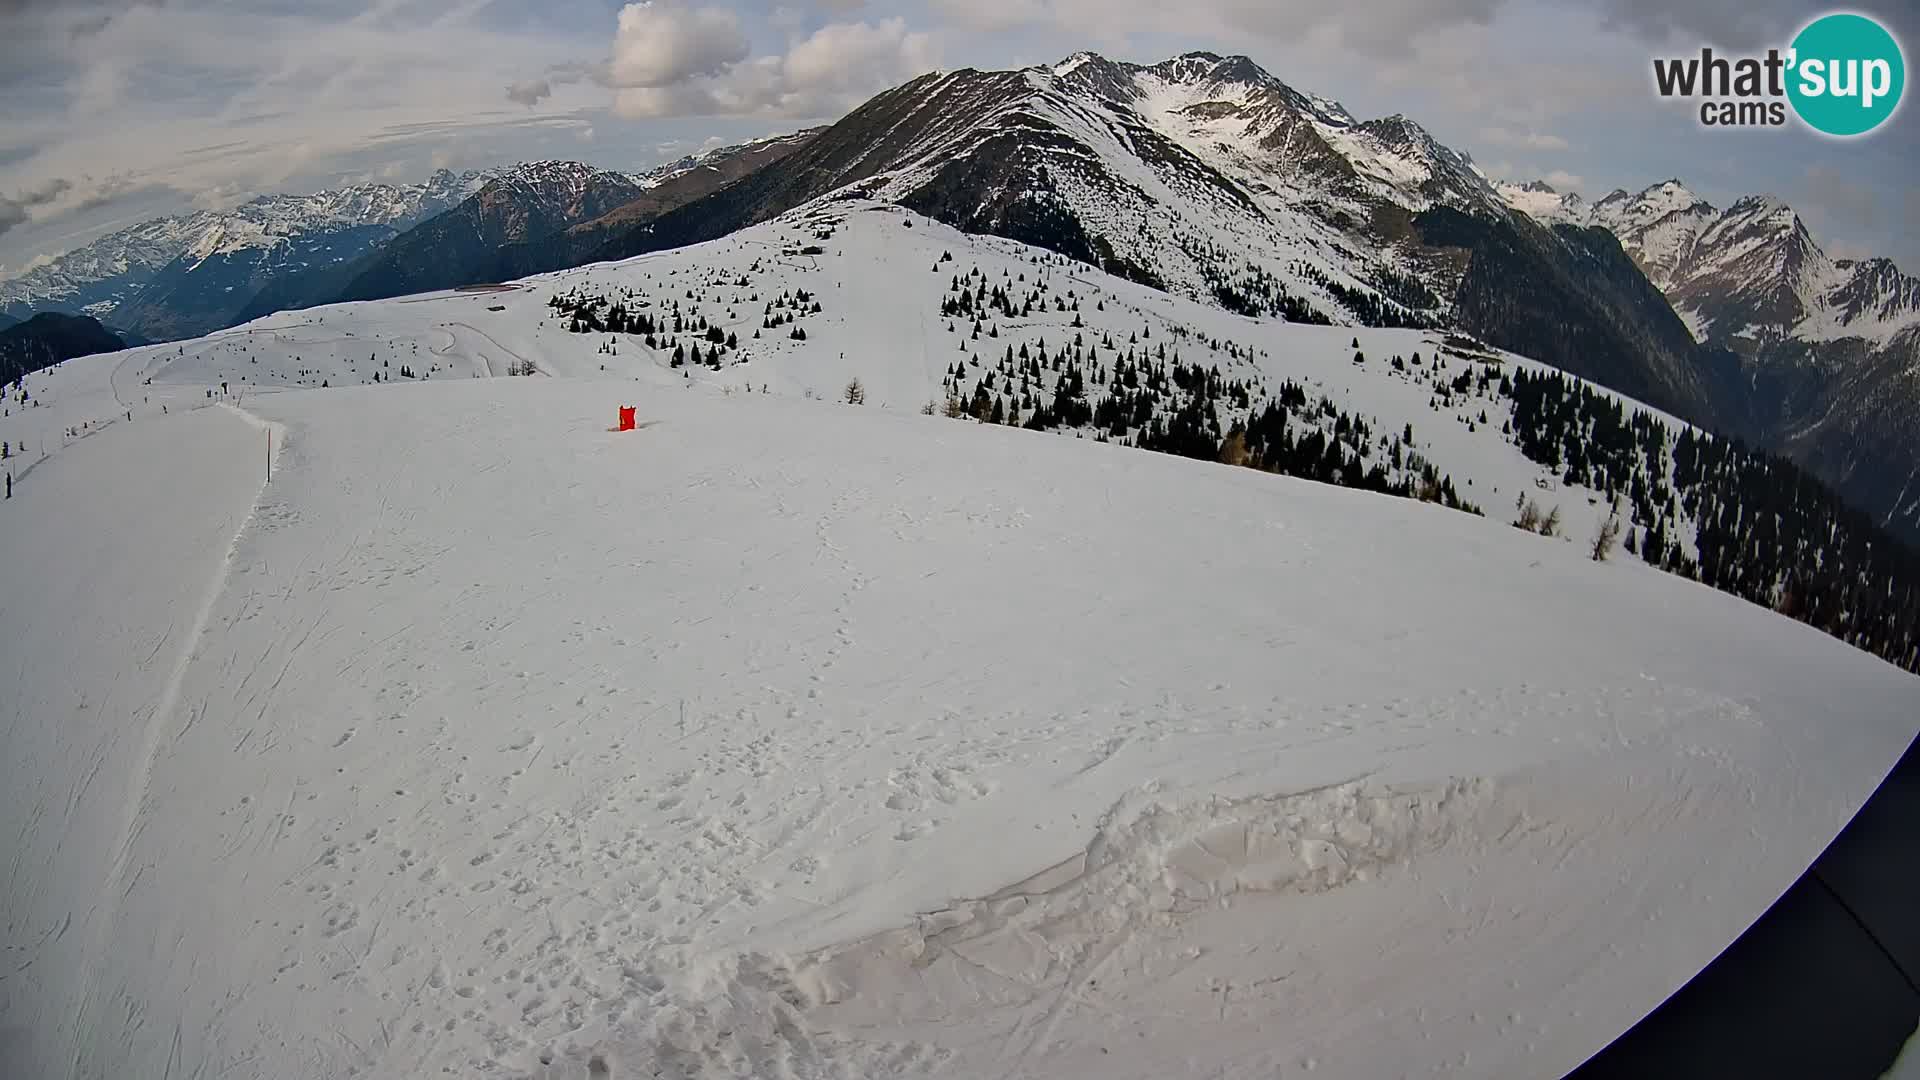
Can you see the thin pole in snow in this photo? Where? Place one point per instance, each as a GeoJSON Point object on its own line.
{"type": "Point", "coordinates": [269, 455]}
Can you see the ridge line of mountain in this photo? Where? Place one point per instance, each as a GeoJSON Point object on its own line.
{"type": "Point", "coordinates": [1206, 176]}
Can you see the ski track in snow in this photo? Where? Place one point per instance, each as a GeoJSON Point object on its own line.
{"type": "Point", "coordinates": [162, 725]}
{"type": "Point", "coordinates": [784, 738]}
{"type": "Point", "coordinates": [81, 737]}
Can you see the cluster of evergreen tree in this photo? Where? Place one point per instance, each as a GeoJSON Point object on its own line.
{"type": "Point", "coordinates": [1406, 290]}
{"type": "Point", "coordinates": [1146, 395]}
{"type": "Point", "coordinates": [1258, 293]}
{"type": "Point", "coordinates": [1372, 309]}
{"type": "Point", "coordinates": [683, 333]}
{"type": "Point", "coordinates": [1294, 437]}
{"type": "Point", "coordinates": [1763, 528]}
{"type": "Point", "coordinates": [1253, 290]}
{"type": "Point", "coordinates": [784, 309]}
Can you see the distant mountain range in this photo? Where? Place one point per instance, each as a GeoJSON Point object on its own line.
{"type": "Point", "coordinates": [1203, 175]}
{"type": "Point", "coordinates": [1746, 276]}
{"type": "Point", "coordinates": [533, 216]}
{"type": "Point", "coordinates": [186, 275]}
{"type": "Point", "coordinates": [1829, 349]}
{"type": "Point", "coordinates": [532, 199]}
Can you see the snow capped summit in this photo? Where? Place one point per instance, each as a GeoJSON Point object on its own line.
{"type": "Point", "coordinates": [1621, 213]}
{"type": "Point", "coordinates": [551, 177]}
{"type": "Point", "coordinates": [1746, 275]}
{"type": "Point", "coordinates": [1073, 63]}
{"type": "Point", "coordinates": [1830, 345]}
{"type": "Point", "coordinates": [96, 277]}
{"type": "Point", "coordinates": [1658, 226]}
{"type": "Point", "coordinates": [1871, 293]}
{"type": "Point", "coordinates": [1212, 68]}
{"type": "Point", "coordinates": [1191, 79]}
{"type": "Point", "coordinates": [1542, 201]}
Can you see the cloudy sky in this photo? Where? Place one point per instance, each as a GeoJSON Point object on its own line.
{"type": "Point", "coordinates": [117, 110]}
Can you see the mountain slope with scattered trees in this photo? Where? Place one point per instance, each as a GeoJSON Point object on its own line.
{"type": "Point", "coordinates": [48, 339]}
{"type": "Point", "coordinates": [1814, 357]}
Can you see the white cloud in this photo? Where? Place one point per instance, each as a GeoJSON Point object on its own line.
{"type": "Point", "coordinates": [664, 44]}
{"type": "Point", "coordinates": [823, 74]}
{"type": "Point", "coordinates": [217, 100]}
{"type": "Point", "coordinates": [846, 55]}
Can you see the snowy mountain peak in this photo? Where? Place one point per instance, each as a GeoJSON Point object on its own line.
{"type": "Point", "coordinates": [1212, 67]}
{"type": "Point", "coordinates": [1194, 78]}
{"type": "Point", "coordinates": [1666, 197]}
{"type": "Point", "coordinates": [1074, 63]}
{"type": "Point", "coordinates": [551, 175]}
{"type": "Point", "coordinates": [1403, 135]}
{"type": "Point", "coordinates": [1747, 276]}
{"type": "Point", "coordinates": [538, 196]}
{"type": "Point", "coordinates": [1623, 213]}
{"type": "Point", "coordinates": [1543, 202]}
{"type": "Point", "coordinates": [1764, 208]}
{"type": "Point", "coordinates": [1401, 157]}
{"type": "Point", "coordinates": [1873, 296]}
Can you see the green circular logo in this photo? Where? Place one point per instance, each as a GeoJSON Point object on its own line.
{"type": "Point", "coordinates": [1847, 74]}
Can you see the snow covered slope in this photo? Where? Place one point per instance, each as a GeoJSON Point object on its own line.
{"type": "Point", "coordinates": [786, 737]}
{"type": "Point", "coordinates": [111, 554]}
{"type": "Point", "coordinates": [1210, 178]}
{"type": "Point", "coordinates": [1541, 201]}
{"type": "Point", "coordinates": [881, 278]}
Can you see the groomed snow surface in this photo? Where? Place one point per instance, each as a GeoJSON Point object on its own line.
{"type": "Point", "coordinates": [788, 738]}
